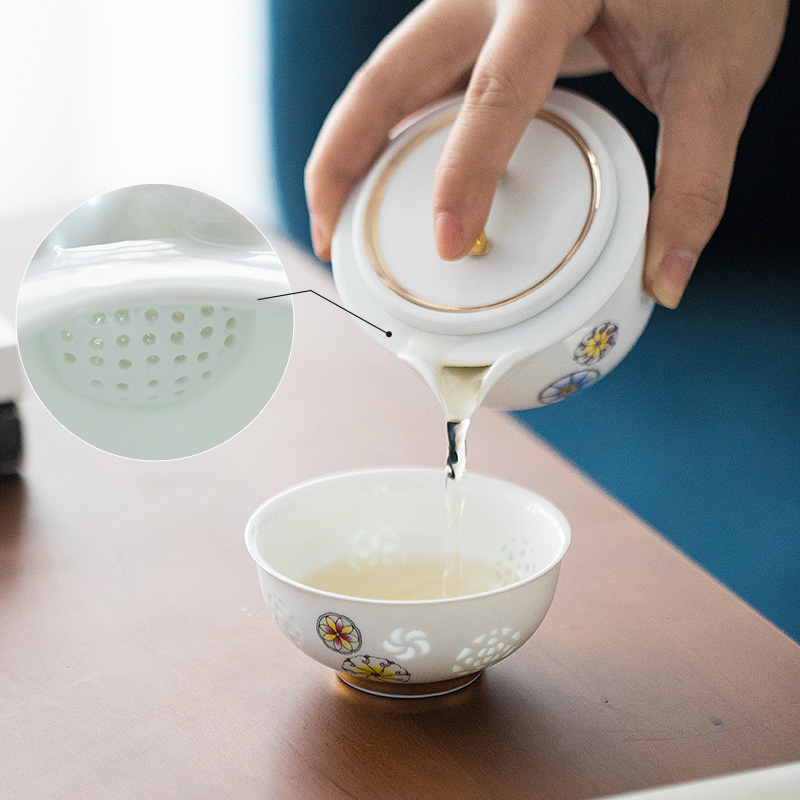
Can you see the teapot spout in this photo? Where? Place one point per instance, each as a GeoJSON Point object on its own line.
{"type": "Point", "coordinates": [460, 389]}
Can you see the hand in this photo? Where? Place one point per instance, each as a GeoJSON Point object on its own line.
{"type": "Point", "coordinates": [697, 64]}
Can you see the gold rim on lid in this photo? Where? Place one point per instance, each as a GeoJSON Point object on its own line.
{"type": "Point", "coordinates": [379, 189]}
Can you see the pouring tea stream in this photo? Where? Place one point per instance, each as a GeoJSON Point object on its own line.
{"type": "Point", "coordinates": [551, 297]}
{"type": "Point", "coordinates": [551, 301]}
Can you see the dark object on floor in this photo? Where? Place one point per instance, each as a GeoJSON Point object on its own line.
{"type": "Point", "coordinates": [10, 440]}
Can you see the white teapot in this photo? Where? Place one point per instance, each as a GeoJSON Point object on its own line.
{"type": "Point", "coordinates": [551, 297]}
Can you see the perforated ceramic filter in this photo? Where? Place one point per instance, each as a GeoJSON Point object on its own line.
{"type": "Point", "coordinates": [147, 354]}
{"type": "Point", "coordinates": [156, 361]}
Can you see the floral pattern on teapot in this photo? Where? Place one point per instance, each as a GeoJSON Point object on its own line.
{"type": "Point", "coordinates": [564, 387]}
{"type": "Point", "coordinates": [597, 344]}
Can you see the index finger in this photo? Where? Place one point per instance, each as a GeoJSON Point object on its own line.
{"type": "Point", "coordinates": [516, 69]}
{"type": "Point", "coordinates": [421, 60]}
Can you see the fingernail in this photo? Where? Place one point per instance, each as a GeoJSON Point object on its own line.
{"type": "Point", "coordinates": [320, 238]}
{"type": "Point", "coordinates": [449, 236]}
{"type": "Point", "coordinates": [674, 271]}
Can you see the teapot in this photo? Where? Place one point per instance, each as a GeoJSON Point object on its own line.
{"type": "Point", "coordinates": [551, 297]}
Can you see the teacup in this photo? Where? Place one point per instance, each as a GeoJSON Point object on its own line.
{"type": "Point", "coordinates": [386, 516]}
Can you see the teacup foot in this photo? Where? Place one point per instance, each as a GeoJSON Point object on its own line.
{"type": "Point", "coordinates": [408, 690]}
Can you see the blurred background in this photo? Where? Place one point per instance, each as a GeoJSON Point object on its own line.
{"type": "Point", "coordinates": [97, 95]}
{"type": "Point", "coordinates": [698, 431]}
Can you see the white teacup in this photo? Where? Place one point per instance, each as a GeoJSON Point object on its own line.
{"type": "Point", "coordinates": [389, 515]}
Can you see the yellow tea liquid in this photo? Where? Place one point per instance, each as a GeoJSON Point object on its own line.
{"type": "Point", "coordinates": [414, 578]}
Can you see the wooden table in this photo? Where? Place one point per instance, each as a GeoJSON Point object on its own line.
{"type": "Point", "coordinates": [137, 658]}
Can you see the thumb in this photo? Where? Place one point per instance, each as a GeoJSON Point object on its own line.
{"type": "Point", "coordinates": [696, 152]}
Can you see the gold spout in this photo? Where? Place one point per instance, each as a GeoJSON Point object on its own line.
{"type": "Point", "coordinates": [481, 247]}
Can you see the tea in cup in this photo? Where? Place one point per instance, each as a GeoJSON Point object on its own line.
{"type": "Point", "coordinates": [358, 571]}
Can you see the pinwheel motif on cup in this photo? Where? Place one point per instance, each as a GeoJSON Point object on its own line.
{"type": "Point", "coordinates": [339, 633]}
{"type": "Point", "coordinates": [406, 644]}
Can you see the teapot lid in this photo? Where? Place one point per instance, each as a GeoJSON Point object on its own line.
{"type": "Point", "coordinates": [553, 211]}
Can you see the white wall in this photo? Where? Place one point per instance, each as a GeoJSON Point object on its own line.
{"type": "Point", "coordinates": [96, 94]}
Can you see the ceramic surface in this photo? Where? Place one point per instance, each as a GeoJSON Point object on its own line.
{"type": "Point", "coordinates": [545, 341]}
{"type": "Point", "coordinates": [386, 514]}
{"type": "Point", "coordinates": [140, 326]}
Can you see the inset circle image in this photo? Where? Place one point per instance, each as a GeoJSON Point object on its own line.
{"type": "Point", "coordinates": [140, 326]}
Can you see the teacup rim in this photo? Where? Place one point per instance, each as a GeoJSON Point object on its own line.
{"type": "Point", "coordinates": [249, 535]}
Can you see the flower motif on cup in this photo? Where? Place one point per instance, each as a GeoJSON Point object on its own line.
{"type": "Point", "coordinates": [568, 385]}
{"type": "Point", "coordinates": [597, 344]}
{"type": "Point", "coordinates": [339, 633]}
{"type": "Point", "coordinates": [487, 649]}
{"type": "Point", "coordinates": [376, 669]}
{"type": "Point", "coordinates": [406, 644]}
